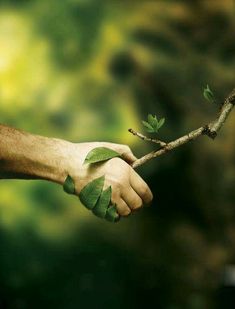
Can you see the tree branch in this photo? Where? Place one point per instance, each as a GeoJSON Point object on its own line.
{"type": "Point", "coordinates": [210, 130]}
{"type": "Point", "coordinates": [148, 139]}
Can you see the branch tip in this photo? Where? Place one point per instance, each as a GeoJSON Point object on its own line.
{"type": "Point", "coordinates": [148, 139]}
{"type": "Point", "coordinates": [210, 130]}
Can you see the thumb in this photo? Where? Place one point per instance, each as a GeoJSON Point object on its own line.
{"type": "Point", "coordinates": [125, 152]}
{"type": "Point", "coordinates": [129, 157]}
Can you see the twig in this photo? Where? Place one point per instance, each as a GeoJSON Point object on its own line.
{"type": "Point", "coordinates": [210, 130]}
{"type": "Point", "coordinates": [149, 139]}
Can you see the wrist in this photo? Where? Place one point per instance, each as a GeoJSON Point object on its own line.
{"type": "Point", "coordinates": [57, 160]}
{"type": "Point", "coordinates": [67, 159]}
{"type": "Point", "coordinates": [27, 156]}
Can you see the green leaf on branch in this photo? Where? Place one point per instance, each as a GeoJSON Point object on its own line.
{"type": "Point", "coordinates": [153, 124]}
{"type": "Point", "coordinates": [111, 214]}
{"type": "Point", "coordinates": [161, 123]}
{"type": "Point", "coordinates": [69, 186]}
{"type": "Point", "coordinates": [152, 120]}
{"type": "Point", "coordinates": [148, 127]}
{"type": "Point", "coordinates": [90, 194]}
{"type": "Point", "coordinates": [100, 154]}
{"type": "Point", "coordinates": [208, 94]}
{"type": "Point", "coordinates": [103, 202]}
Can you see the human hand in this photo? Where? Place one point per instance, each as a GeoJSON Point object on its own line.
{"type": "Point", "coordinates": [129, 190]}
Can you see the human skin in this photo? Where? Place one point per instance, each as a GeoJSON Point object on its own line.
{"type": "Point", "coordinates": [29, 156]}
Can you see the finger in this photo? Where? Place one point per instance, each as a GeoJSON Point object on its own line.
{"type": "Point", "coordinates": [122, 208]}
{"type": "Point", "coordinates": [129, 157]}
{"type": "Point", "coordinates": [127, 154]}
{"type": "Point", "coordinates": [132, 199]}
{"type": "Point", "coordinates": [141, 187]}
{"type": "Point", "coordinates": [111, 214]}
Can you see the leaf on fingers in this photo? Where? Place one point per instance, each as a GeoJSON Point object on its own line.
{"type": "Point", "coordinates": [111, 214]}
{"type": "Point", "coordinates": [69, 186]}
{"type": "Point", "coordinates": [91, 192]}
{"type": "Point", "coordinates": [103, 202]}
{"type": "Point", "coordinates": [100, 154]}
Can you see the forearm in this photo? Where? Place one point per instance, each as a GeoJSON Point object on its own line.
{"type": "Point", "coordinates": [27, 156]}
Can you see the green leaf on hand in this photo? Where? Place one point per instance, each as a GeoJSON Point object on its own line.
{"type": "Point", "coordinates": [208, 94]}
{"type": "Point", "coordinates": [93, 198]}
{"type": "Point", "coordinates": [100, 154]}
{"type": "Point", "coordinates": [103, 202]}
{"type": "Point", "coordinates": [69, 186]}
{"type": "Point", "coordinates": [111, 214]}
{"type": "Point", "coordinates": [91, 192]}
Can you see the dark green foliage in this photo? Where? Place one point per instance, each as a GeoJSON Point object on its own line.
{"type": "Point", "coordinates": [122, 65]}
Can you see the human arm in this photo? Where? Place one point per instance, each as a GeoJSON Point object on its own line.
{"type": "Point", "coordinates": [28, 156]}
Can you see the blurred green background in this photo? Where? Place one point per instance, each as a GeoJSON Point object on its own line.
{"type": "Point", "coordinates": [87, 70]}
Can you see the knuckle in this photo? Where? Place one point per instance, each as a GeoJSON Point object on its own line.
{"type": "Point", "coordinates": [115, 196]}
{"type": "Point", "coordinates": [138, 206]}
{"type": "Point", "coordinates": [126, 150]}
{"type": "Point", "coordinates": [126, 212]}
{"type": "Point", "coordinates": [123, 209]}
{"type": "Point", "coordinates": [146, 193]}
{"type": "Point", "coordinates": [144, 190]}
{"type": "Point", "coordinates": [117, 186]}
{"type": "Point", "coordinates": [117, 161]}
{"type": "Point", "coordinates": [136, 203]}
{"type": "Point", "coordinates": [150, 196]}
{"type": "Point", "coordinates": [125, 147]}
{"type": "Point", "coordinates": [113, 160]}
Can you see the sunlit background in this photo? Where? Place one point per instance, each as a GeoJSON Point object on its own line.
{"type": "Point", "coordinates": [87, 70]}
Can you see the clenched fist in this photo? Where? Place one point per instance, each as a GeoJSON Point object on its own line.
{"type": "Point", "coordinates": [129, 191]}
